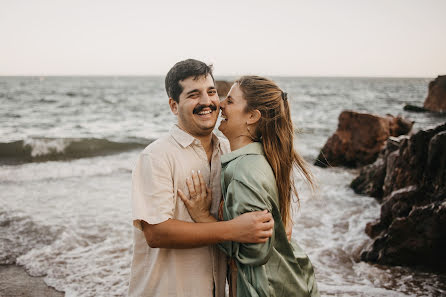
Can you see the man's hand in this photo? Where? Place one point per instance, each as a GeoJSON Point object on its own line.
{"type": "Point", "coordinates": [253, 227]}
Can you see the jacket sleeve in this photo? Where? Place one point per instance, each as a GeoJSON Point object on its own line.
{"type": "Point", "coordinates": [242, 198]}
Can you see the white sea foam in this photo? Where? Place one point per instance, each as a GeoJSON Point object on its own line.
{"type": "Point", "coordinates": [42, 146]}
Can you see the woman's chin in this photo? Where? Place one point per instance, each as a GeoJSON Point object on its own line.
{"type": "Point", "coordinates": [221, 127]}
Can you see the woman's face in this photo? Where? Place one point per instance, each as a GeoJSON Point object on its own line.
{"type": "Point", "coordinates": [234, 117]}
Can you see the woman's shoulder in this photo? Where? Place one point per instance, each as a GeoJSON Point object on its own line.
{"type": "Point", "coordinates": [251, 168]}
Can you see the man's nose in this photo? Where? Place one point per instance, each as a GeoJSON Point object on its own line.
{"type": "Point", "coordinates": [205, 99]}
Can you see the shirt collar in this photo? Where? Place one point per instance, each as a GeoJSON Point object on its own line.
{"type": "Point", "coordinates": [254, 148]}
{"type": "Point", "coordinates": [185, 139]}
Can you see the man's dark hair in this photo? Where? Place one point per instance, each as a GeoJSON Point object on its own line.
{"type": "Point", "coordinates": [182, 70]}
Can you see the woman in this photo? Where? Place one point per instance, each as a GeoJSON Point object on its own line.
{"type": "Point", "coordinates": [257, 175]}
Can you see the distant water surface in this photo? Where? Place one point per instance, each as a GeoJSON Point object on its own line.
{"type": "Point", "coordinates": [68, 145]}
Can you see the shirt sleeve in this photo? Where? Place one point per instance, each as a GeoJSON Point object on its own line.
{"type": "Point", "coordinates": [152, 190]}
{"type": "Point", "coordinates": [242, 198]}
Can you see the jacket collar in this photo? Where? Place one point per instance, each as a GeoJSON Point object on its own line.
{"type": "Point", "coordinates": [254, 148]}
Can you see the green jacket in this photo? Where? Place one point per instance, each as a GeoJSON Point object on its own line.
{"type": "Point", "coordinates": [277, 267]}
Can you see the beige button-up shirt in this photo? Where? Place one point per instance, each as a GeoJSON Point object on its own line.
{"type": "Point", "coordinates": [160, 171]}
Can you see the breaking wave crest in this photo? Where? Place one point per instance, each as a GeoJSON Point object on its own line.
{"type": "Point", "coordinates": [52, 149]}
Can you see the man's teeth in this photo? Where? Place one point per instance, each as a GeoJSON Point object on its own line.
{"type": "Point", "coordinates": [205, 112]}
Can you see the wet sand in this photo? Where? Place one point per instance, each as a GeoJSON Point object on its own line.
{"type": "Point", "coordinates": [14, 282]}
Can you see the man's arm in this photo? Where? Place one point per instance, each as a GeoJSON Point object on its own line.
{"type": "Point", "coordinates": [255, 227]}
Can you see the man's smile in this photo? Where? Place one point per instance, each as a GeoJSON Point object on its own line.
{"type": "Point", "coordinates": [205, 112]}
{"type": "Point", "coordinates": [204, 109]}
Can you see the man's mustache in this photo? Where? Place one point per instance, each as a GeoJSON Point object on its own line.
{"type": "Point", "coordinates": [199, 108]}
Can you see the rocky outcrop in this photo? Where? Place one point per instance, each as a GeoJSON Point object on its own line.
{"type": "Point", "coordinates": [436, 98]}
{"type": "Point", "coordinates": [409, 178]}
{"type": "Point", "coordinates": [414, 108]}
{"type": "Point", "coordinates": [359, 139]}
{"type": "Point", "coordinates": [371, 178]}
{"type": "Point", "coordinates": [223, 87]}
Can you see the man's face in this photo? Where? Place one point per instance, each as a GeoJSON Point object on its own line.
{"type": "Point", "coordinates": [198, 106]}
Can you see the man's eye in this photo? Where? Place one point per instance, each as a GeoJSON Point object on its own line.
{"type": "Point", "coordinates": [193, 95]}
{"type": "Point", "coordinates": [212, 92]}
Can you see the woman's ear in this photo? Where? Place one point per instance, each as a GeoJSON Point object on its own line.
{"type": "Point", "coordinates": [254, 117]}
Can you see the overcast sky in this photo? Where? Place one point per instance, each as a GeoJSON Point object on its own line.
{"type": "Point", "coordinates": [404, 38]}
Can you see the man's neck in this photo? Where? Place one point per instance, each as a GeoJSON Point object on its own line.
{"type": "Point", "coordinates": [206, 142]}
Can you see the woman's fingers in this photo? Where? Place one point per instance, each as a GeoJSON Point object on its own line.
{"type": "Point", "coordinates": [183, 197]}
{"type": "Point", "coordinates": [196, 181]}
{"type": "Point", "coordinates": [191, 187]}
{"type": "Point", "coordinates": [196, 185]}
{"type": "Point", "coordinates": [202, 183]}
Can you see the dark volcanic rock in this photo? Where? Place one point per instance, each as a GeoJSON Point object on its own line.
{"type": "Point", "coordinates": [223, 87]}
{"type": "Point", "coordinates": [371, 177]}
{"type": "Point", "coordinates": [359, 139]}
{"type": "Point", "coordinates": [417, 239]}
{"type": "Point", "coordinates": [436, 98]}
{"type": "Point", "coordinates": [414, 108]}
{"type": "Point", "coordinates": [411, 228]}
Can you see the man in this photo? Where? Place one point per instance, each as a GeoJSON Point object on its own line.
{"type": "Point", "coordinates": [172, 255]}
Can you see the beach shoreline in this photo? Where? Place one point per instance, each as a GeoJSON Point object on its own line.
{"type": "Point", "coordinates": [15, 281]}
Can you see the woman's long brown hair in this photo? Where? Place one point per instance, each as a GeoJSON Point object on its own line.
{"type": "Point", "coordinates": [275, 130]}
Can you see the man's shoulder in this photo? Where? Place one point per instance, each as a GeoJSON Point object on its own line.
{"type": "Point", "coordinates": [160, 146]}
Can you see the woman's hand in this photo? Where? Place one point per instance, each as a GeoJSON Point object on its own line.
{"type": "Point", "coordinates": [200, 199]}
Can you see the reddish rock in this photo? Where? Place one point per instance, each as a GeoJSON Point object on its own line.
{"type": "Point", "coordinates": [359, 139]}
{"type": "Point", "coordinates": [436, 98]}
{"type": "Point", "coordinates": [223, 87]}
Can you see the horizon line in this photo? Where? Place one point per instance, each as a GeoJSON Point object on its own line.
{"type": "Point", "coordinates": [217, 75]}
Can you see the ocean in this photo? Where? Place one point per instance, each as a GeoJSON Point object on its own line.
{"type": "Point", "coordinates": [68, 145]}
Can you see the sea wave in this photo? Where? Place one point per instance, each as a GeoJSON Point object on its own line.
{"type": "Point", "coordinates": [20, 234]}
{"type": "Point", "coordinates": [53, 149]}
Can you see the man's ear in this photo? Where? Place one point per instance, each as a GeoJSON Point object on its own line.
{"type": "Point", "coordinates": [254, 117]}
{"type": "Point", "coordinates": [173, 106]}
